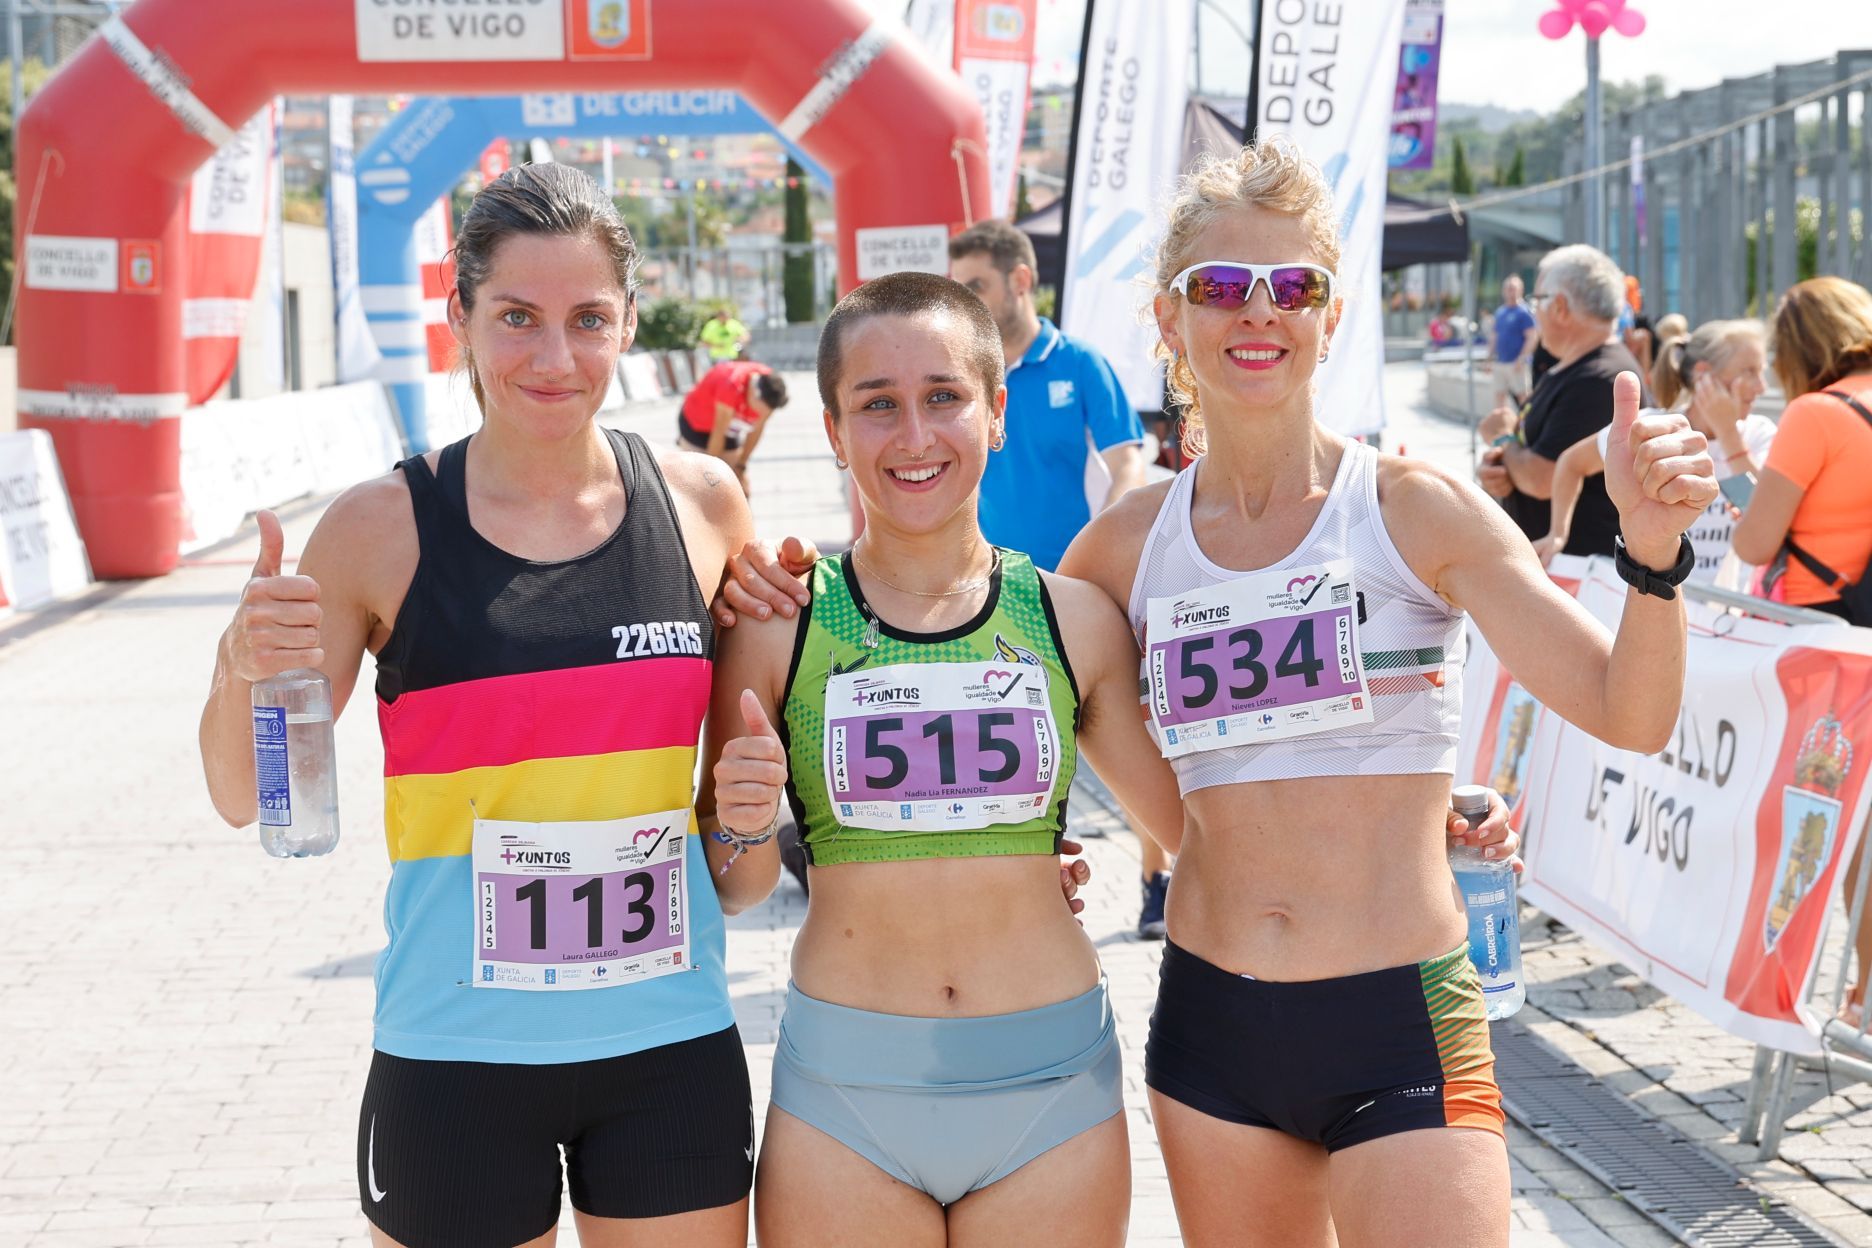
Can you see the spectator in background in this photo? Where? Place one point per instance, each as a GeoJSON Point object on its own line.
{"type": "Point", "coordinates": [1512, 340]}
{"type": "Point", "coordinates": [1064, 403]}
{"type": "Point", "coordinates": [1578, 292]}
{"type": "Point", "coordinates": [724, 336]}
{"type": "Point", "coordinates": [1719, 371]}
{"type": "Point", "coordinates": [1815, 494]}
{"type": "Point", "coordinates": [727, 412]}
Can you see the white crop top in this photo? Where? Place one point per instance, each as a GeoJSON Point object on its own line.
{"type": "Point", "coordinates": [1410, 640]}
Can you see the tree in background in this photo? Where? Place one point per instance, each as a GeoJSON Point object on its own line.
{"type": "Point", "coordinates": [1517, 172]}
{"type": "Point", "coordinates": [33, 77]}
{"type": "Point", "coordinates": [1462, 182]}
{"type": "Point", "coordinates": [797, 273]}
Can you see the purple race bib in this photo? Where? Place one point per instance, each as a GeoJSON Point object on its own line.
{"type": "Point", "coordinates": [1267, 656]}
{"type": "Point", "coordinates": [931, 747]}
{"type": "Point", "coordinates": [566, 906]}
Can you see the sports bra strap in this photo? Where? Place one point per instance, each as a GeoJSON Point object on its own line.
{"type": "Point", "coordinates": [1850, 401]}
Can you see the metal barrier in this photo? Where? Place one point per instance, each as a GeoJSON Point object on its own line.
{"type": "Point", "coordinates": [1843, 1047]}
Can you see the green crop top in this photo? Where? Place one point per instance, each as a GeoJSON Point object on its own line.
{"type": "Point", "coordinates": [938, 745]}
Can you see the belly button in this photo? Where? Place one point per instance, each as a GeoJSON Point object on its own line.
{"type": "Point", "coordinates": [948, 993]}
{"type": "Point", "coordinates": [848, 933]}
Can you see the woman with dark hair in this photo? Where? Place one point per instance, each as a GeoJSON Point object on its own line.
{"type": "Point", "coordinates": [536, 598]}
{"type": "Point", "coordinates": [947, 1070]}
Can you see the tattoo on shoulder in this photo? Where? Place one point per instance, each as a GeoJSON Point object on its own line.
{"type": "Point", "coordinates": [711, 478]}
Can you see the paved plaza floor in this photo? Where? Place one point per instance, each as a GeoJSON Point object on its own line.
{"type": "Point", "coordinates": [186, 1022]}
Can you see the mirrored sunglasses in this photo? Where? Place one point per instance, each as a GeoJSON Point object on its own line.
{"type": "Point", "coordinates": [1228, 285]}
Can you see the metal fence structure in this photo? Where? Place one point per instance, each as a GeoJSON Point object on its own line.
{"type": "Point", "coordinates": [749, 275]}
{"type": "Point", "coordinates": [1724, 171]}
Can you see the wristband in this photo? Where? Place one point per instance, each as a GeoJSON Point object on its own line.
{"type": "Point", "coordinates": [1644, 580]}
{"type": "Point", "coordinates": [1504, 440]}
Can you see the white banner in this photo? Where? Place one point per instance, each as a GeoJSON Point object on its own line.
{"type": "Point", "coordinates": [1327, 79]}
{"type": "Point", "coordinates": [1706, 867]}
{"type": "Point", "coordinates": [41, 557]}
{"type": "Point", "coordinates": [272, 288]}
{"type": "Point", "coordinates": [357, 350]}
{"type": "Point", "coordinates": [530, 30]}
{"type": "Point", "coordinates": [994, 48]}
{"type": "Point", "coordinates": [61, 262]}
{"type": "Point", "coordinates": [1134, 86]}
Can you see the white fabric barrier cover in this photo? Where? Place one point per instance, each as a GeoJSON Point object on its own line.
{"type": "Point", "coordinates": [41, 556]}
{"type": "Point", "coordinates": [642, 379]}
{"type": "Point", "coordinates": [239, 455]}
{"type": "Point", "coordinates": [1706, 867]}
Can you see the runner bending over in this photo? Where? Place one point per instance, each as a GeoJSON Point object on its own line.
{"type": "Point", "coordinates": [1319, 1028]}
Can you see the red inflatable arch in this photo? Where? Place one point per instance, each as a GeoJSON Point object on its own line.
{"type": "Point", "coordinates": [106, 150]}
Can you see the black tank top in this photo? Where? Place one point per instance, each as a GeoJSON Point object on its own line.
{"type": "Point", "coordinates": [474, 611]}
{"type": "Point", "coordinates": [538, 692]}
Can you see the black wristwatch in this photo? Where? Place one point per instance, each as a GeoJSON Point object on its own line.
{"type": "Point", "coordinates": [1643, 579]}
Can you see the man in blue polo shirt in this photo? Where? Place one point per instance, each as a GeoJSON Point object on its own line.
{"type": "Point", "coordinates": [1068, 422]}
{"type": "Point", "coordinates": [1064, 406]}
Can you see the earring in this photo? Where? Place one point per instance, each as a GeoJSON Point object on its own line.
{"type": "Point", "coordinates": [1323, 352]}
{"type": "Point", "coordinates": [1000, 440]}
{"type": "Point", "coordinates": [840, 464]}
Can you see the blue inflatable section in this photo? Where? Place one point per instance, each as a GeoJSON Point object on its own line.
{"type": "Point", "coordinates": [425, 149]}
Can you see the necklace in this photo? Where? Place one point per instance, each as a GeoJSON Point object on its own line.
{"type": "Point", "coordinates": [864, 565]}
{"type": "Point", "coordinates": [871, 633]}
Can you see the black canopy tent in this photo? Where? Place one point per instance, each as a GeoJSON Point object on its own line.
{"type": "Point", "coordinates": [1414, 232]}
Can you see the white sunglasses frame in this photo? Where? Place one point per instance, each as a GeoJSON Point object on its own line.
{"type": "Point", "coordinates": [1259, 275]}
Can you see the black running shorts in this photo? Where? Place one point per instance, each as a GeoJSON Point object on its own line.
{"type": "Point", "coordinates": [1334, 1061]}
{"type": "Point", "coordinates": [466, 1154]}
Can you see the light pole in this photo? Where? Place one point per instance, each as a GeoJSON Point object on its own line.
{"type": "Point", "coordinates": [1595, 17]}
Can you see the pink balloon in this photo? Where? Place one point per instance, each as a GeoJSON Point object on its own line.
{"type": "Point", "coordinates": [1594, 19]}
{"type": "Point", "coordinates": [1556, 24]}
{"type": "Point", "coordinates": [1629, 22]}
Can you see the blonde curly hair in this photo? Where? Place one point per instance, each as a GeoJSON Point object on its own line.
{"type": "Point", "coordinates": [1272, 174]}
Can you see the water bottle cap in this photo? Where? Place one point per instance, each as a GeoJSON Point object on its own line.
{"type": "Point", "coordinates": [1470, 799]}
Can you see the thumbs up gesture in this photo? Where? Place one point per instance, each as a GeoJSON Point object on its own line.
{"type": "Point", "coordinates": [276, 626]}
{"type": "Point", "coordinates": [751, 773]}
{"type": "Point", "coordinates": [1658, 474]}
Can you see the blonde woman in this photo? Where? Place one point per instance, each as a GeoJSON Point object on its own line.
{"type": "Point", "coordinates": [1319, 1058]}
{"type": "Point", "coordinates": [1719, 370]}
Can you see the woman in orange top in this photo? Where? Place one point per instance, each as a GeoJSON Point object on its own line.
{"type": "Point", "coordinates": [1816, 490]}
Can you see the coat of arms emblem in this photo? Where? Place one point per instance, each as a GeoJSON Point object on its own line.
{"type": "Point", "coordinates": [1810, 820]}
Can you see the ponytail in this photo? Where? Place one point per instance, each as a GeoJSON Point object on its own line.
{"type": "Point", "coordinates": [1669, 377]}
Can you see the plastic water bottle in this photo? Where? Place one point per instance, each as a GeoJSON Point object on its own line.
{"type": "Point", "coordinates": [295, 764]}
{"type": "Point", "coordinates": [1488, 889]}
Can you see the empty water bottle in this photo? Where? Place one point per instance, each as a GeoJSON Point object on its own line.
{"type": "Point", "coordinates": [295, 771]}
{"type": "Point", "coordinates": [1488, 890]}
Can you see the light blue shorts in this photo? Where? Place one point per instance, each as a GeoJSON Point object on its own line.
{"type": "Point", "coordinates": [949, 1105]}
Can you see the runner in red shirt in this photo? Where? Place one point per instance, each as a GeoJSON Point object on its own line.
{"type": "Point", "coordinates": [725, 413]}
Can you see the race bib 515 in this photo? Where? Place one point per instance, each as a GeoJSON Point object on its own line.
{"type": "Point", "coordinates": [932, 747]}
